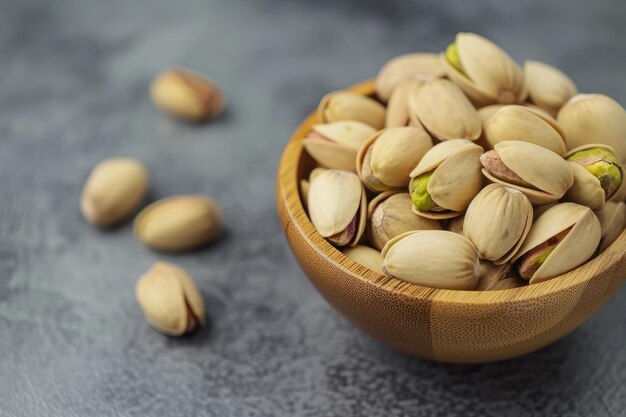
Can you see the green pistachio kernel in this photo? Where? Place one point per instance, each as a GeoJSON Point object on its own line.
{"type": "Point", "coordinates": [453, 57]}
{"type": "Point", "coordinates": [603, 164]}
{"type": "Point", "coordinates": [419, 193]}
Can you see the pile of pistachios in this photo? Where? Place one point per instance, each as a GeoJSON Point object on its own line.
{"type": "Point", "coordinates": [468, 171]}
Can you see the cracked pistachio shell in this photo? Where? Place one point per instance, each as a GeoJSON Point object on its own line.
{"type": "Point", "coordinates": [594, 118]}
{"type": "Point", "coordinates": [456, 176]}
{"type": "Point", "coordinates": [390, 215]}
{"type": "Point", "coordinates": [413, 66]}
{"type": "Point", "coordinates": [498, 277]}
{"type": "Point", "coordinates": [336, 201]}
{"type": "Point", "coordinates": [548, 87]}
{"type": "Point", "coordinates": [398, 105]}
{"type": "Point", "coordinates": [366, 256]}
{"type": "Point", "coordinates": [489, 74]}
{"type": "Point", "coordinates": [612, 222]}
{"type": "Point", "coordinates": [527, 125]}
{"type": "Point", "coordinates": [549, 174]}
{"type": "Point", "coordinates": [169, 299]}
{"type": "Point", "coordinates": [576, 248]}
{"type": "Point", "coordinates": [345, 105]}
{"type": "Point", "coordinates": [497, 222]}
{"type": "Point", "coordinates": [432, 258]}
{"type": "Point", "coordinates": [335, 145]}
{"type": "Point", "coordinates": [385, 161]}
{"type": "Point", "coordinates": [442, 108]}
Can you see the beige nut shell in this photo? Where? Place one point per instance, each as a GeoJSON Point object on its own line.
{"type": "Point", "coordinates": [366, 256]}
{"type": "Point", "coordinates": [398, 113]}
{"type": "Point", "coordinates": [345, 105]}
{"type": "Point", "coordinates": [548, 87]}
{"type": "Point", "coordinates": [612, 221]}
{"type": "Point", "coordinates": [420, 66]}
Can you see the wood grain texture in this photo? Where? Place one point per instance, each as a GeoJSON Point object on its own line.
{"type": "Point", "coordinates": [441, 325]}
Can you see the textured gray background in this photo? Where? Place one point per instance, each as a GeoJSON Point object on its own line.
{"type": "Point", "coordinates": [74, 77]}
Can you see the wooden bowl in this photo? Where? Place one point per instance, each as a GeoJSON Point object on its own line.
{"type": "Point", "coordinates": [441, 325]}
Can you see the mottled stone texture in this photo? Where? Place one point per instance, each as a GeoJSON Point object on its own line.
{"type": "Point", "coordinates": [74, 77]}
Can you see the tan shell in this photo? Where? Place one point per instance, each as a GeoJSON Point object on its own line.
{"type": "Point", "coordinates": [389, 215]}
{"type": "Point", "coordinates": [392, 154]}
{"type": "Point", "coordinates": [304, 193]}
{"type": "Point", "coordinates": [345, 105]}
{"type": "Point", "coordinates": [575, 249]}
{"type": "Point", "coordinates": [527, 125]}
{"type": "Point", "coordinates": [432, 258]}
{"type": "Point", "coordinates": [169, 299]}
{"type": "Point", "coordinates": [612, 221]}
{"type": "Point", "coordinates": [497, 222]}
{"type": "Point", "coordinates": [594, 118]}
{"type": "Point", "coordinates": [398, 113]}
{"type": "Point", "coordinates": [548, 87]}
{"type": "Point", "coordinates": [498, 277]}
{"type": "Point", "coordinates": [442, 108]}
{"type": "Point", "coordinates": [335, 198]}
{"type": "Point", "coordinates": [486, 112]}
{"type": "Point", "coordinates": [620, 194]}
{"type": "Point", "coordinates": [538, 166]}
{"type": "Point", "coordinates": [420, 66]}
{"type": "Point", "coordinates": [340, 143]}
{"type": "Point", "coordinates": [456, 178]}
{"type": "Point", "coordinates": [492, 75]}
{"type": "Point", "coordinates": [366, 256]}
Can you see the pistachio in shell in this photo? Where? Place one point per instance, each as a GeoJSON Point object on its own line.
{"type": "Point", "coordinates": [446, 179]}
{"type": "Point", "coordinates": [385, 161]}
{"type": "Point", "coordinates": [498, 277]}
{"type": "Point", "coordinates": [564, 237]}
{"type": "Point", "coordinates": [346, 105]}
{"type": "Point", "coordinates": [432, 258]}
{"type": "Point", "coordinates": [541, 174]}
{"type": "Point", "coordinates": [485, 72]}
{"type": "Point", "coordinates": [413, 66]}
{"type": "Point", "coordinates": [548, 87]}
{"type": "Point", "coordinates": [612, 221]}
{"type": "Point", "coordinates": [497, 222]}
{"type": "Point", "coordinates": [366, 256]}
{"type": "Point", "coordinates": [335, 145]}
{"type": "Point", "coordinates": [338, 206]}
{"type": "Point", "coordinates": [398, 113]}
{"type": "Point", "coordinates": [390, 215]}
{"type": "Point", "coordinates": [455, 224]}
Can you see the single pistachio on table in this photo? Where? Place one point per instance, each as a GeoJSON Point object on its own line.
{"type": "Point", "coordinates": [338, 206]}
{"type": "Point", "coordinates": [179, 223]}
{"type": "Point", "coordinates": [494, 277]}
{"type": "Point", "coordinates": [485, 72]}
{"type": "Point", "coordinates": [385, 161]}
{"type": "Point", "coordinates": [169, 299]}
{"type": "Point", "coordinates": [446, 179]}
{"type": "Point", "coordinates": [366, 256]}
{"type": "Point", "coordinates": [413, 66]}
{"type": "Point", "coordinates": [433, 258]}
{"type": "Point", "coordinates": [446, 113]}
{"type": "Point", "coordinates": [114, 190]}
{"type": "Point", "coordinates": [497, 221]}
{"type": "Point", "coordinates": [541, 174]}
{"type": "Point", "coordinates": [594, 118]}
{"type": "Point", "coordinates": [398, 113]}
{"type": "Point", "coordinates": [525, 124]}
{"type": "Point", "coordinates": [335, 145]}
{"type": "Point", "coordinates": [612, 222]}
{"type": "Point", "coordinates": [548, 87]}
{"type": "Point", "coordinates": [389, 215]}
{"type": "Point", "coordinates": [598, 175]}
{"type": "Point", "coordinates": [187, 95]}
{"type": "Point", "coordinates": [564, 237]}
{"type": "Point", "coordinates": [345, 105]}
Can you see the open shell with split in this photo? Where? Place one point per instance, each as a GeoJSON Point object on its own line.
{"type": "Point", "coordinates": [345, 105]}
{"type": "Point", "coordinates": [613, 222]}
{"type": "Point", "coordinates": [398, 111]}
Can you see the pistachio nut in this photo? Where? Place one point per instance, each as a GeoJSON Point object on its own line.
{"type": "Point", "coordinates": [598, 175]}
{"type": "Point", "coordinates": [413, 66]}
{"type": "Point", "coordinates": [564, 237]}
{"type": "Point", "coordinates": [366, 256]}
{"type": "Point", "coordinates": [179, 223]}
{"type": "Point", "coordinates": [335, 145]}
{"type": "Point", "coordinates": [498, 277]}
{"type": "Point", "coordinates": [548, 87]}
{"type": "Point", "coordinates": [385, 161]}
{"type": "Point", "coordinates": [338, 206]}
{"type": "Point", "coordinates": [389, 215]}
{"type": "Point", "coordinates": [187, 95]}
{"type": "Point", "coordinates": [433, 258]}
{"type": "Point", "coordinates": [304, 193]}
{"type": "Point", "coordinates": [455, 224]}
{"type": "Point", "coordinates": [612, 222]}
{"type": "Point", "coordinates": [485, 113]}
{"type": "Point", "coordinates": [541, 174]}
{"type": "Point", "coordinates": [485, 72]}
{"type": "Point", "coordinates": [169, 299]}
{"type": "Point", "coordinates": [446, 179]}
{"type": "Point", "coordinates": [594, 118]}
{"type": "Point", "coordinates": [114, 190]}
{"type": "Point", "coordinates": [442, 108]}
{"type": "Point", "coordinates": [498, 241]}
{"type": "Point", "coordinates": [398, 113]}
{"type": "Point", "coordinates": [527, 125]}
{"type": "Point", "coordinates": [345, 105]}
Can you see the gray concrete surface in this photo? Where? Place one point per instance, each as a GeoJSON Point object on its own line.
{"type": "Point", "coordinates": [74, 77]}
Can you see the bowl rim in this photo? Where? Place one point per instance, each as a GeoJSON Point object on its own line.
{"type": "Point", "coordinates": [287, 189]}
